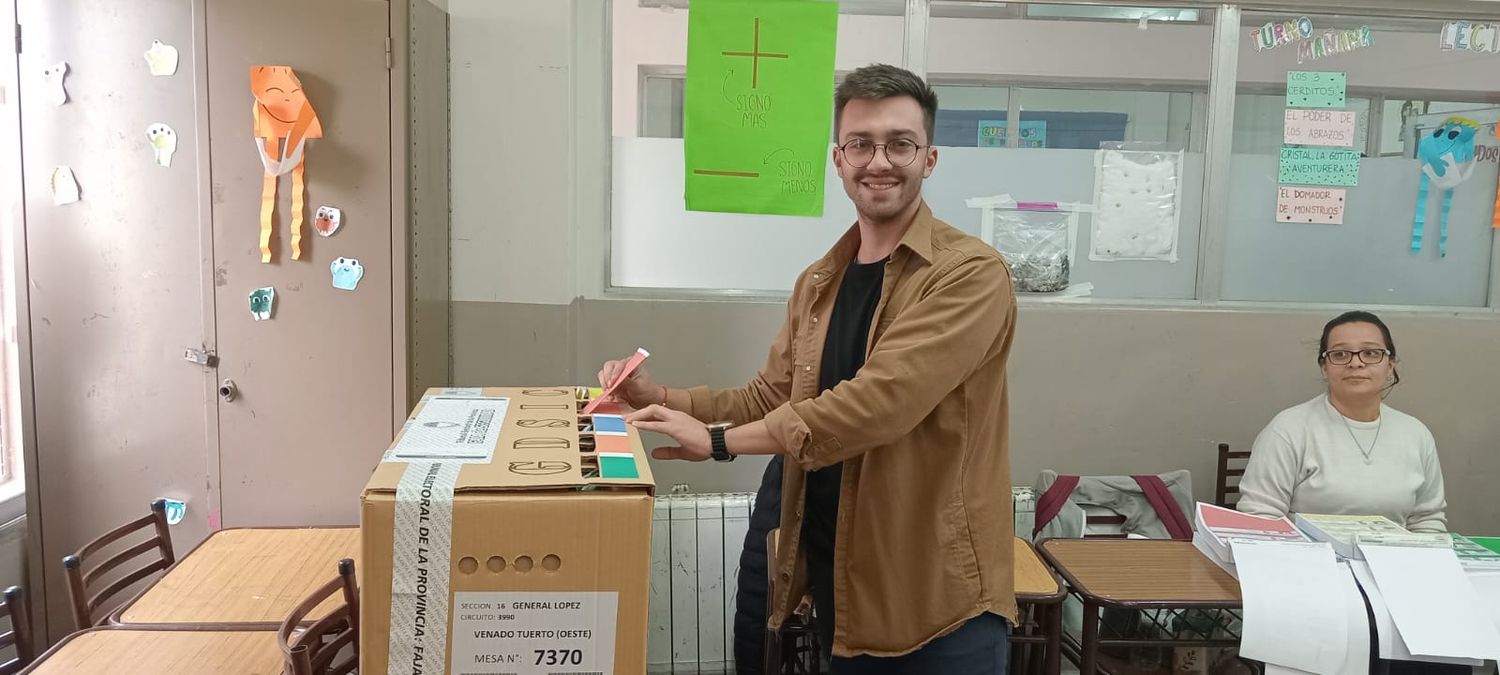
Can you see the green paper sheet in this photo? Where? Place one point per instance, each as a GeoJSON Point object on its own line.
{"type": "Point", "coordinates": [1491, 543]}
{"type": "Point", "coordinates": [1315, 89]}
{"type": "Point", "coordinates": [759, 105]}
{"type": "Point", "coordinates": [1319, 166]}
{"type": "Point", "coordinates": [617, 466]}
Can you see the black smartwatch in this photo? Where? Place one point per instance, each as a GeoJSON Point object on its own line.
{"type": "Point", "coordinates": [716, 441]}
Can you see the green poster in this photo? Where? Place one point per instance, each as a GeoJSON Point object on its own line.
{"type": "Point", "coordinates": [759, 104]}
{"type": "Point", "coordinates": [1310, 89]}
{"type": "Point", "coordinates": [1319, 166]}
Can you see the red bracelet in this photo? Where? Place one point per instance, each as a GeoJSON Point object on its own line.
{"type": "Point", "coordinates": [664, 394]}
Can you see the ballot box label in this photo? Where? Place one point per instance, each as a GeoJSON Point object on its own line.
{"type": "Point", "coordinates": [451, 428]}
{"type": "Point", "coordinates": [534, 633]}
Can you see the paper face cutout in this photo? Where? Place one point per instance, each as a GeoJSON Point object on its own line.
{"type": "Point", "coordinates": [281, 111]}
{"type": "Point", "coordinates": [327, 220]}
{"type": "Point", "coordinates": [262, 302]}
{"type": "Point", "coordinates": [163, 143]}
{"type": "Point", "coordinates": [64, 186]}
{"type": "Point", "coordinates": [161, 59]}
{"type": "Point", "coordinates": [52, 81]}
{"type": "Point", "coordinates": [346, 273]}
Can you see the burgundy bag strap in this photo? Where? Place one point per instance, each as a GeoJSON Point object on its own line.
{"type": "Point", "coordinates": [1166, 508]}
{"type": "Point", "coordinates": [1051, 501]}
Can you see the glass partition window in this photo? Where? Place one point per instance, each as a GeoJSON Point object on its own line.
{"type": "Point", "coordinates": [1321, 209]}
{"type": "Point", "coordinates": [1027, 98]}
{"type": "Point", "coordinates": [655, 243]}
{"type": "Point", "coordinates": [1080, 109]}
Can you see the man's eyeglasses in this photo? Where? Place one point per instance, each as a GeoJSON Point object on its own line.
{"type": "Point", "coordinates": [860, 152]}
{"type": "Point", "coordinates": [1369, 357]}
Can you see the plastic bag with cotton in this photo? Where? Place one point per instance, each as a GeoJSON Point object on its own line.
{"type": "Point", "coordinates": [1038, 246]}
{"type": "Point", "coordinates": [1137, 204]}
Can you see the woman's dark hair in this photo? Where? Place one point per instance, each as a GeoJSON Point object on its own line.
{"type": "Point", "coordinates": [1359, 316]}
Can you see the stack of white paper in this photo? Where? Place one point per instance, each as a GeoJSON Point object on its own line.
{"type": "Point", "coordinates": [1388, 637]}
{"type": "Point", "coordinates": [1302, 609]}
{"type": "Point", "coordinates": [1432, 602]}
{"type": "Point", "coordinates": [1357, 654]}
{"type": "Point", "coordinates": [1488, 586]}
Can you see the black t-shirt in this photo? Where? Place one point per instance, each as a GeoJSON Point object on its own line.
{"type": "Point", "coordinates": [843, 355]}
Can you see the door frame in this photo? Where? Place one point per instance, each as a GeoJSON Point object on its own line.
{"type": "Point", "coordinates": [202, 134]}
{"type": "Point", "coordinates": [398, 70]}
{"type": "Point", "coordinates": [25, 391]}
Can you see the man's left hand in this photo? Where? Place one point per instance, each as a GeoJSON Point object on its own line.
{"type": "Point", "coordinates": [691, 435]}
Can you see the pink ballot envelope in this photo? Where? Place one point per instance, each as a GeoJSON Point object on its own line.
{"type": "Point", "coordinates": [635, 361]}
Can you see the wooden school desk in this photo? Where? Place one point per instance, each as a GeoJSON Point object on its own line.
{"type": "Point", "coordinates": [1139, 574]}
{"type": "Point", "coordinates": [117, 650]}
{"type": "Point", "coordinates": [243, 579]}
{"type": "Point", "coordinates": [1040, 592]}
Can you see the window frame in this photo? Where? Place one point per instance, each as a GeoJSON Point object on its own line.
{"type": "Point", "coordinates": [1213, 108]}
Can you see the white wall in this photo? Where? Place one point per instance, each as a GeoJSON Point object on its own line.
{"type": "Point", "coordinates": [512, 139]}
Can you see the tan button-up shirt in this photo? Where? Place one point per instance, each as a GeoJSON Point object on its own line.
{"type": "Point", "coordinates": [924, 522]}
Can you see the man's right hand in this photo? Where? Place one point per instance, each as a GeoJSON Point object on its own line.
{"type": "Point", "coordinates": [637, 392]}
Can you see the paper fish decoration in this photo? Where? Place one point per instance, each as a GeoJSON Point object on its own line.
{"type": "Point", "coordinates": [1447, 156]}
{"type": "Point", "coordinates": [163, 143]}
{"type": "Point", "coordinates": [161, 59]}
{"type": "Point", "coordinates": [281, 112]}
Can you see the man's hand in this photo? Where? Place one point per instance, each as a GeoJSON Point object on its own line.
{"type": "Point", "coordinates": [694, 444]}
{"type": "Point", "coordinates": [637, 392]}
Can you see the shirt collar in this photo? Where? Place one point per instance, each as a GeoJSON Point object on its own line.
{"type": "Point", "coordinates": [917, 240]}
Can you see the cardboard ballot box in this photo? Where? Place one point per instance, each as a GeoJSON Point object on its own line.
{"type": "Point", "coordinates": [503, 532]}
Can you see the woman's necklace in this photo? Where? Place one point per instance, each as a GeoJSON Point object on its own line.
{"type": "Point", "coordinates": [1366, 452]}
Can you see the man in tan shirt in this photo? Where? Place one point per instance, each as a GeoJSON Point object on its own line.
{"type": "Point", "coordinates": [885, 389]}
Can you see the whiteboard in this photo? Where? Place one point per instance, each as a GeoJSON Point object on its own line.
{"type": "Point", "coordinates": [655, 243]}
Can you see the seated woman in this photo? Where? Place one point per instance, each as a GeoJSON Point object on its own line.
{"type": "Point", "coordinates": [1346, 452]}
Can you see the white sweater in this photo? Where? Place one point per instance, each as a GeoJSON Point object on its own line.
{"type": "Point", "coordinates": [1307, 461]}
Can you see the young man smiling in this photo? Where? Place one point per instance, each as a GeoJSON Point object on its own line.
{"type": "Point", "coordinates": [886, 392]}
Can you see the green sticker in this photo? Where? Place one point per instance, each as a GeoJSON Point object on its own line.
{"type": "Point", "coordinates": [759, 103]}
{"type": "Point", "coordinates": [1312, 89]}
{"type": "Point", "coordinates": [1319, 166]}
{"type": "Point", "coordinates": [617, 466]}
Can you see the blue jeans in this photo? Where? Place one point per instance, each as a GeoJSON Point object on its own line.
{"type": "Point", "coordinates": [979, 647]}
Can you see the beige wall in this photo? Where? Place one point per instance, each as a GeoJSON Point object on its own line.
{"type": "Point", "coordinates": [1093, 390]}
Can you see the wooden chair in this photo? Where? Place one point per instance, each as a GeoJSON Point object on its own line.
{"type": "Point", "coordinates": [314, 650]}
{"type": "Point", "coordinates": [85, 608]}
{"type": "Point", "coordinates": [1231, 466]}
{"type": "Point", "coordinates": [794, 649]}
{"type": "Point", "coordinates": [19, 636]}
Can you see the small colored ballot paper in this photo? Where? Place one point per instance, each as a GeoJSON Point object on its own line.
{"type": "Point", "coordinates": [631, 364]}
{"type": "Point", "coordinates": [759, 104]}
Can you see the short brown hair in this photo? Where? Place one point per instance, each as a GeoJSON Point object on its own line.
{"type": "Point", "coordinates": [881, 81]}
